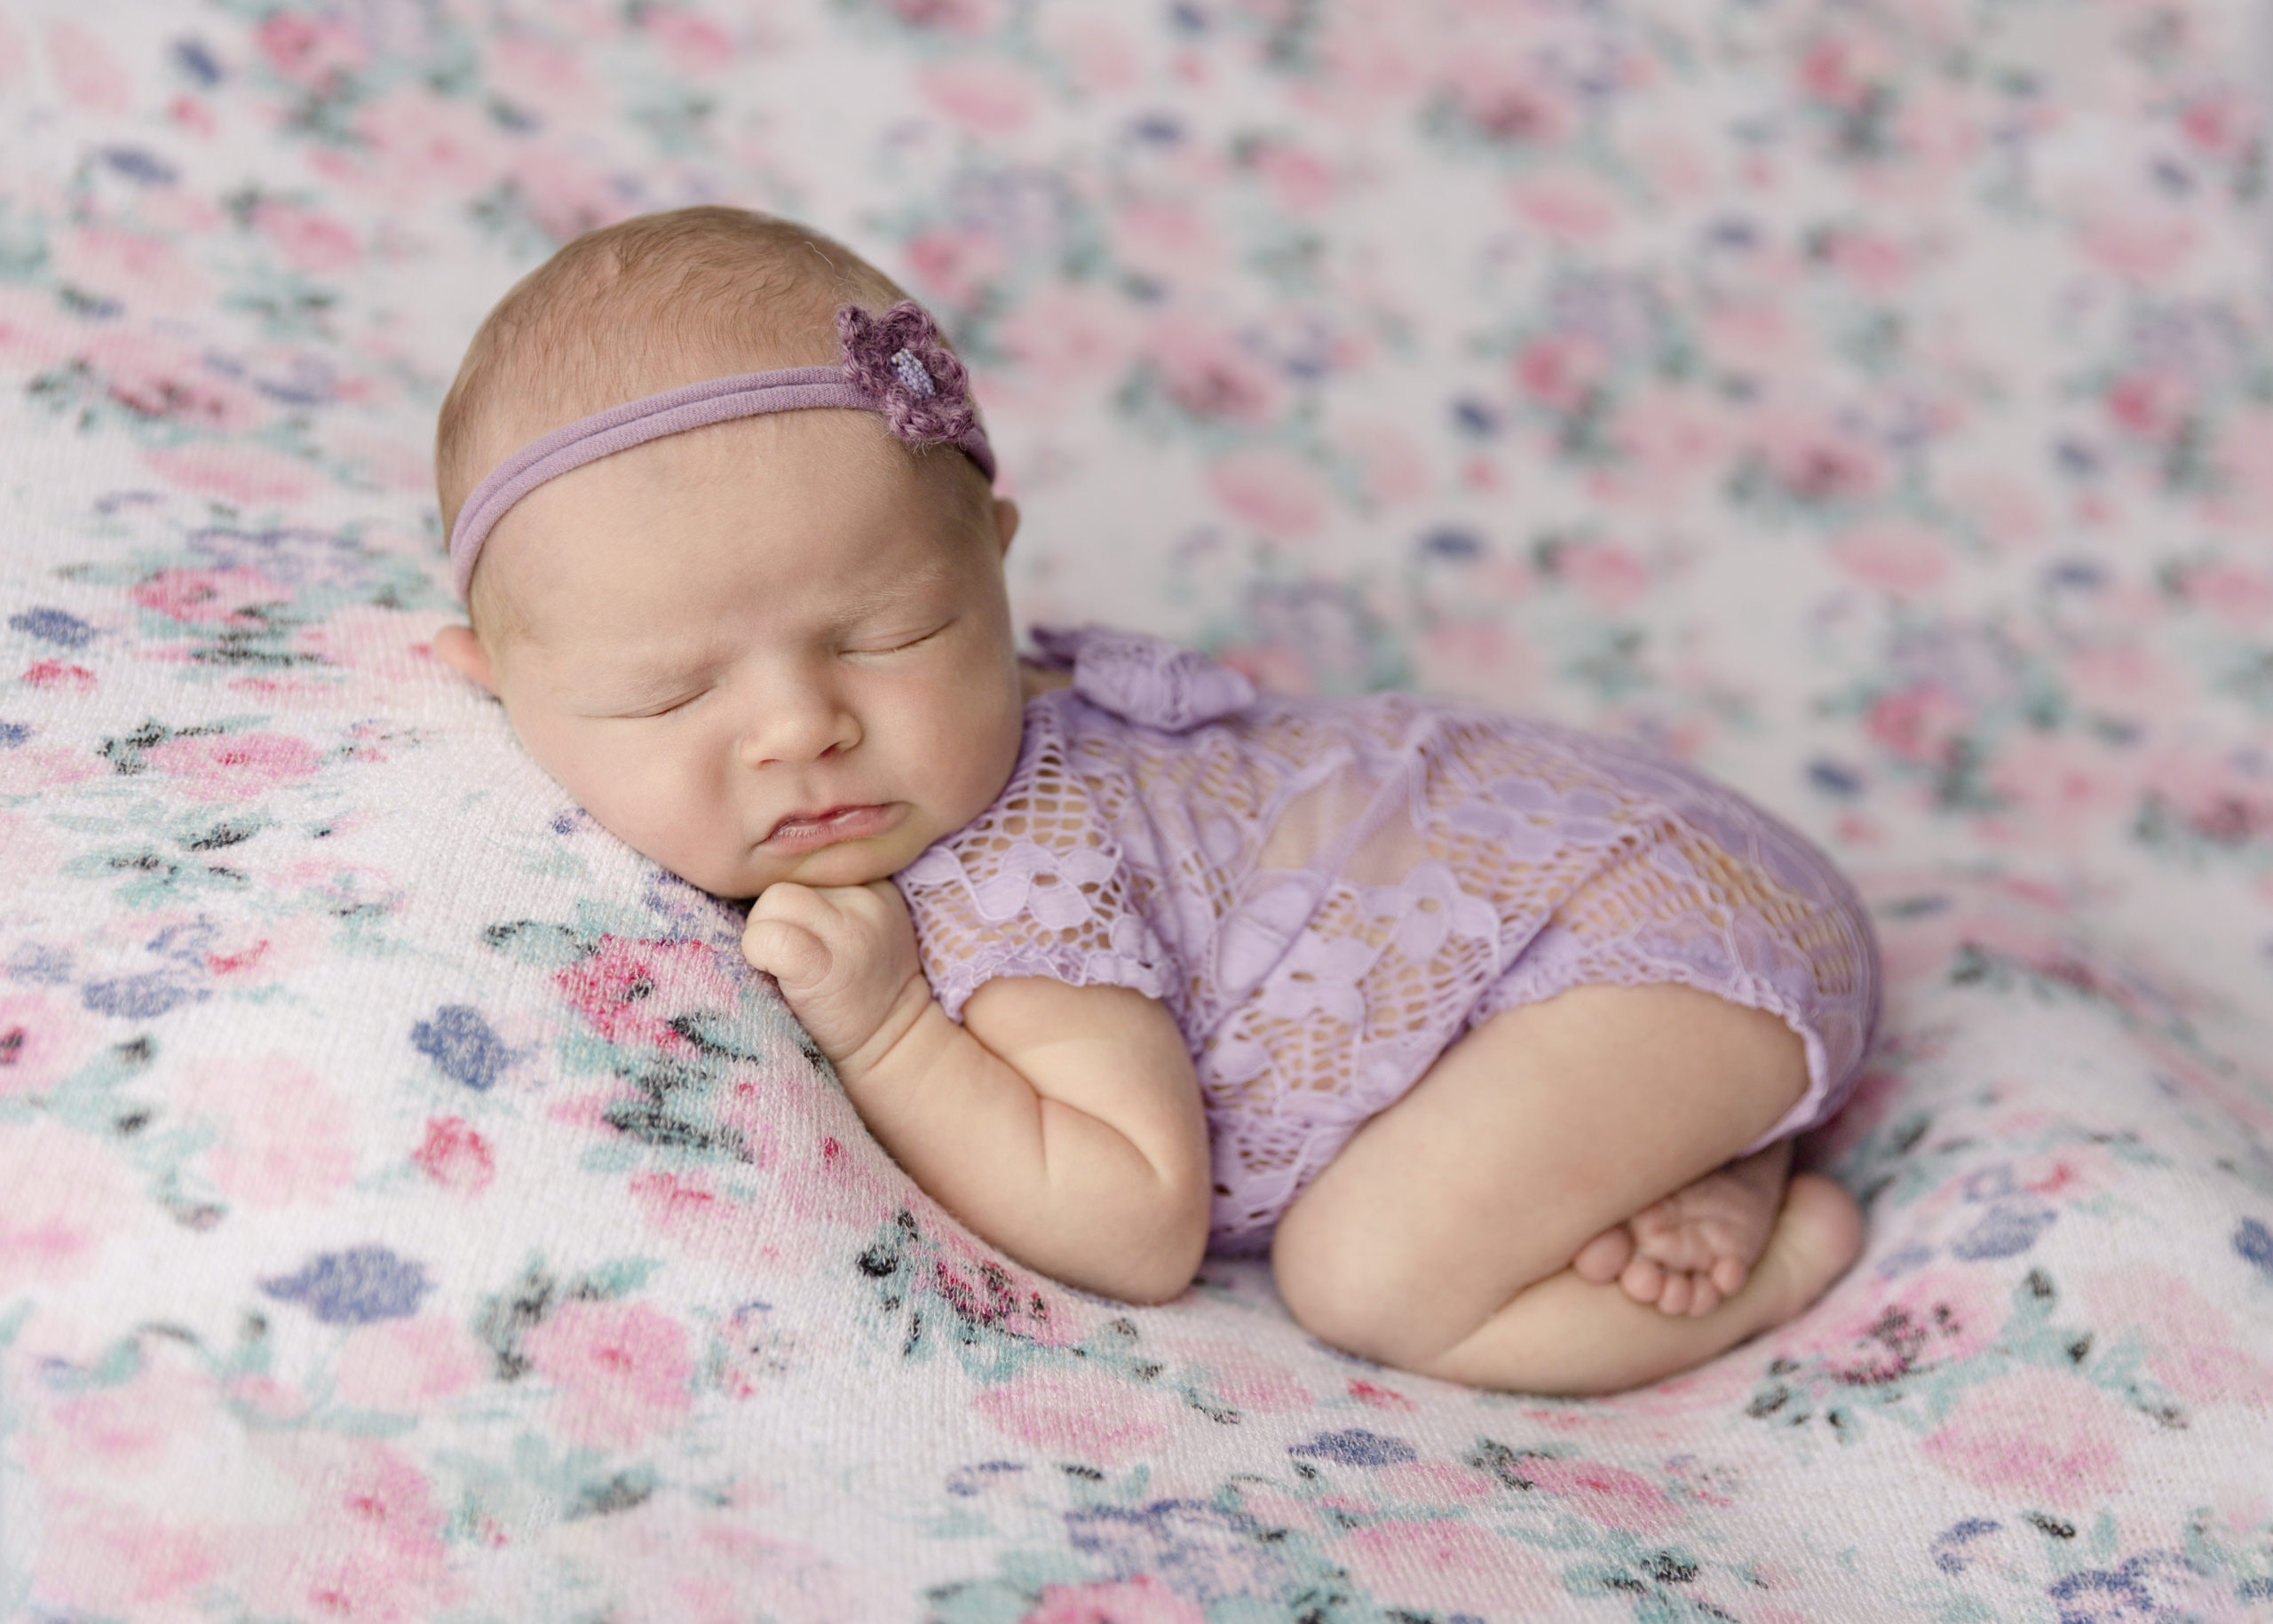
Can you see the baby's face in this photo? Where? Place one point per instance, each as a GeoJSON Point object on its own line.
{"type": "Point", "coordinates": [772, 649]}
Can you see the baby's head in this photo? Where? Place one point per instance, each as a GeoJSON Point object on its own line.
{"type": "Point", "coordinates": [775, 647]}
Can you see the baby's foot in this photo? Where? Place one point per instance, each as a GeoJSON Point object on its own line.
{"type": "Point", "coordinates": [1688, 1252]}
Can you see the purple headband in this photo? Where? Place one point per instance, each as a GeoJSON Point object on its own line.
{"type": "Point", "coordinates": [895, 364]}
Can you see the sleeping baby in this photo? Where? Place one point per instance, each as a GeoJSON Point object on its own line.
{"type": "Point", "coordinates": [1494, 1034]}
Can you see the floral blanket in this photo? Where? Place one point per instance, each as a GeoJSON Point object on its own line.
{"type": "Point", "coordinates": [410, 1209]}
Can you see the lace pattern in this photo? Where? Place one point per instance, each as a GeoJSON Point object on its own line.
{"type": "Point", "coordinates": [1328, 893]}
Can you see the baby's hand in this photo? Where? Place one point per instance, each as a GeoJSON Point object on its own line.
{"type": "Point", "coordinates": [846, 958]}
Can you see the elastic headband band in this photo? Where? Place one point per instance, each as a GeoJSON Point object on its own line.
{"type": "Point", "coordinates": [895, 365]}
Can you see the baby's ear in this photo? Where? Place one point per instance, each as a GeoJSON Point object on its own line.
{"type": "Point", "coordinates": [1006, 521]}
{"type": "Point", "coordinates": [458, 648]}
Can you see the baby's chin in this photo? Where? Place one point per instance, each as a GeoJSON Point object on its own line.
{"type": "Point", "coordinates": [852, 863]}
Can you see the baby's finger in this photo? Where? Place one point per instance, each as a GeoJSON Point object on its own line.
{"type": "Point", "coordinates": [792, 955]}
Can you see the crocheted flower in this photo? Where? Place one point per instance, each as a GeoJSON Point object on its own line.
{"type": "Point", "coordinates": [899, 358]}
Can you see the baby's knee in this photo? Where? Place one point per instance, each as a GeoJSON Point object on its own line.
{"type": "Point", "coordinates": [1357, 1297]}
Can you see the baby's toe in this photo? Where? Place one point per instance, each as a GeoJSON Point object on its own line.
{"type": "Point", "coordinates": [1604, 1259]}
{"type": "Point", "coordinates": [1675, 1297]}
{"type": "Point", "coordinates": [1729, 1274]}
{"type": "Point", "coordinates": [1704, 1296]}
{"type": "Point", "coordinates": [1643, 1279]}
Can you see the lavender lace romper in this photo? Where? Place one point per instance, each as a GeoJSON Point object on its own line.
{"type": "Point", "coordinates": [1328, 893]}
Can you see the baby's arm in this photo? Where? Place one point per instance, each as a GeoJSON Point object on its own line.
{"type": "Point", "coordinates": [1063, 1123]}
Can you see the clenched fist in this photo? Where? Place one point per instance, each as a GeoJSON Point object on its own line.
{"type": "Point", "coordinates": [846, 958]}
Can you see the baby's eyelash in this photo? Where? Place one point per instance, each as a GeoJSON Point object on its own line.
{"type": "Point", "coordinates": [896, 648]}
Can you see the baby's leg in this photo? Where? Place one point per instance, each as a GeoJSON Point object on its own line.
{"type": "Point", "coordinates": [1441, 1239]}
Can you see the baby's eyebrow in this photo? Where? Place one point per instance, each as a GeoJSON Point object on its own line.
{"type": "Point", "coordinates": [894, 593]}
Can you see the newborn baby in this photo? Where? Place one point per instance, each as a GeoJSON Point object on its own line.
{"type": "Point", "coordinates": [1494, 1034]}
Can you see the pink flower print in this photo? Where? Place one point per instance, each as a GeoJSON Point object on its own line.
{"type": "Point", "coordinates": [1610, 1495]}
{"type": "Point", "coordinates": [1276, 491]}
{"type": "Point", "coordinates": [565, 194]}
{"type": "Point", "coordinates": [2046, 1438]}
{"type": "Point", "coordinates": [234, 766]}
{"type": "Point", "coordinates": [41, 1041]}
{"type": "Point", "coordinates": [430, 145]}
{"type": "Point", "coordinates": [2138, 237]}
{"type": "Point", "coordinates": [2063, 785]}
{"type": "Point", "coordinates": [109, 1560]}
{"type": "Point", "coordinates": [456, 1156]}
{"type": "Point", "coordinates": [1874, 264]}
{"type": "Point", "coordinates": [33, 335]}
{"type": "Point", "coordinates": [2224, 797]}
{"type": "Point", "coordinates": [2148, 406]}
{"type": "Point", "coordinates": [67, 1196]}
{"type": "Point", "coordinates": [1166, 242]}
{"type": "Point", "coordinates": [143, 273]}
{"type": "Point", "coordinates": [1243, 1377]}
{"type": "Point", "coordinates": [245, 474]}
{"type": "Point", "coordinates": [284, 1137]}
{"type": "Point", "coordinates": [2241, 598]}
{"type": "Point", "coordinates": [404, 1366]}
{"type": "Point", "coordinates": [1844, 70]}
{"type": "Point", "coordinates": [1077, 1416]}
{"type": "Point", "coordinates": [693, 1220]}
{"type": "Point", "coordinates": [631, 990]}
{"type": "Point", "coordinates": [156, 376]}
{"type": "Point", "coordinates": [2009, 512]}
{"type": "Point", "coordinates": [308, 241]}
{"type": "Point", "coordinates": [620, 1371]}
{"type": "Point", "coordinates": [1141, 1600]}
{"type": "Point", "coordinates": [1919, 724]}
{"type": "Point", "coordinates": [1672, 442]}
{"type": "Point", "coordinates": [1207, 372]}
{"type": "Point", "coordinates": [207, 597]}
{"type": "Point", "coordinates": [2193, 1347]}
{"type": "Point", "coordinates": [1301, 182]}
{"type": "Point", "coordinates": [86, 72]}
{"type": "Point", "coordinates": [1506, 98]}
{"type": "Point", "coordinates": [1560, 370]}
{"type": "Point", "coordinates": [2129, 680]}
{"type": "Point", "coordinates": [973, 17]}
{"type": "Point", "coordinates": [1816, 461]}
{"type": "Point", "coordinates": [2243, 454]}
{"type": "Point", "coordinates": [1867, 1336]}
{"type": "Point", "coordinates": [2219, 121]}
{"type": "Point", "coordinates": [1065, 336]}
{"type": "Point", "coordinates": [984, 94]}
{"type": "Point", "coordinates": [955, 265]}
{"type": "Point", "coordinates": [1567, 203]}
{"type": "Point", "coordinates": [1607, 576]}
{"type": "Point", "coordinates": [692, 44]}
{"type": "Point", "coordinates": [364, 1542]}
{"type": "Point", "coordinates": [1895, 555]}
{"type": "Point", "coordinates": [539, 75]}
{"type": "Point", "coordinates": [312, 51]}
{"type": "Point", "coordinates": [1443, 1566]}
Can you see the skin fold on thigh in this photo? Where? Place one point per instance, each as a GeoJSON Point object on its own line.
{"type": "Point", "coordinates": [1530, 1136]}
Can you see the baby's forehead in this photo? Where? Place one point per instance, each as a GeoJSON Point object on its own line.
{"type": "Point", "coordinates": [768, 491]}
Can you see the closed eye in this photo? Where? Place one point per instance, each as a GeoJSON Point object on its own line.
{"type": "Point", "coordinates": [900, 647]}
{"type": "Point", "coordinates": [666, 708]}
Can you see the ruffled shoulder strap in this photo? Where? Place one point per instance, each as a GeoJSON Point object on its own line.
{"type": "Point", "coordinates": [1144, 680]}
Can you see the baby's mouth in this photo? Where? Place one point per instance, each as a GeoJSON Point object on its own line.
{"type": "Point", "coordinates": [806, 831]}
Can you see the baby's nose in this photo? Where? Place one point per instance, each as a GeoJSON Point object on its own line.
{"type": "Point", "coordinates": [800, 725]}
